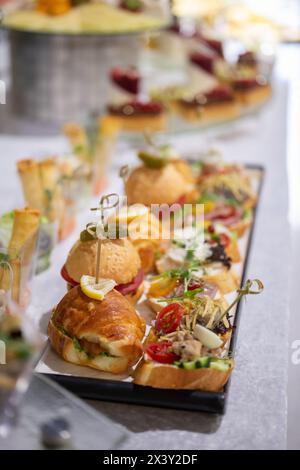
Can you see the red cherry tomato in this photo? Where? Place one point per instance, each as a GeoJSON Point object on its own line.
{"type": "Point", "coordinates": [161, 352]}
{"type": "Point", "coordinates": [225, 240]}
{"type": "Point", "coordinates": [169, 318]}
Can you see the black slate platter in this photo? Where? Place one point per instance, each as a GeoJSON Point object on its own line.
{"type": "Point", "coordinates": [127, 392]}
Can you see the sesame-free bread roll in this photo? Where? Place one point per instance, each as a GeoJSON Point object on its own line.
{"type": "Point", "coordinates": [184, 169]}
{"type": "Point", "coordinates": [156, 185]}
{"type": "Point", "coordinates": [119, 260]}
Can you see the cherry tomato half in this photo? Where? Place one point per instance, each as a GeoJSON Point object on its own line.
{"type": "Point", "coordinates": [169, 318]}
{"type": "Point", "coordinates": [160, 352]}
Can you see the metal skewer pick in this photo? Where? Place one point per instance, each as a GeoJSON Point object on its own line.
{"type": "Point", "coordinates": [104, 204]}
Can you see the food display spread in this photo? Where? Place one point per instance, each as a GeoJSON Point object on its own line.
{"type": "Point", "coordinates": [214, 89]}
{"type": "Point", "coordinates": [154, 280]}
{"type": "Point", "coordinates": [151, 297]}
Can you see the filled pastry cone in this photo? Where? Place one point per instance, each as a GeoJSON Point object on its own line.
{"type": "Point", "coordinates": [29, 173]}
{"type": "Point", "coordinates": [53, 197]}
{"type": "Point", "coordinates": [25, 227]}
{"type": "Point", "coordinates": [78, 139]}
{"type": "Point", "coordinates": [20, 252]}
{"type": "Point", "coordinates": [10, 278]}
{"type": "Point", "coordinates": [43, 191]}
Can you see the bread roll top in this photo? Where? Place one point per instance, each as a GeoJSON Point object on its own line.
{"type": "Point", "coordinates": [156, 185]}
{"type": "Point", "coordinates": [119, 260]}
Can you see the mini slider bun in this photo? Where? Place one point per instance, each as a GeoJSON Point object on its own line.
{"type": "Point", "coordinates": [119, 261]}
{"type": "Point", "coordinates": [165, 185]}
{"type": "Point", "coordinates": [105, 335]}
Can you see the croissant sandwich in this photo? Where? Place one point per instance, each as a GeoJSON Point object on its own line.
{"type": "Point", "coordinates": [105, 335]}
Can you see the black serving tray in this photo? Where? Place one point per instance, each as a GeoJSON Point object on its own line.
{"type": "Point", "coordinates": [128, 392]}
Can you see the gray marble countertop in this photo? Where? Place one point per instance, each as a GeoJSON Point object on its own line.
{"type": "Point", "coordinates": [257, 408]}
{"type": "Point", "coordinates": [45, 401]}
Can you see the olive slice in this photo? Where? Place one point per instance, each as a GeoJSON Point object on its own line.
{"type": "Point", "coordinates": [86, 236]}
{"type": "Point", "coordinates": [152, 161]}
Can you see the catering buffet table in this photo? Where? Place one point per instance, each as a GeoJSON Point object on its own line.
{"type": "Point", "coordinates": [257, 408]}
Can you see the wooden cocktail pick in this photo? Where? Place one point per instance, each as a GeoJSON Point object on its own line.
{"type": "Point", "coordinates": [105, 203]}
{"type": "Point", "coordinates": [124, 172]}
{"type": "Point", "coordinates": [243, 291]}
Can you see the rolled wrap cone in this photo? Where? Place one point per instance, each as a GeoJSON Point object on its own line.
{"type": "Point", "coordinates": [53, 197]}
{"type": "Point", "coordinates": [21, 251]}
{"type": "Point", "coordinates": [29, 173]}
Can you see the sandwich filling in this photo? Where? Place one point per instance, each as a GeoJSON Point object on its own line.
{"type": "Point", "coordinates": [124, 289]}
{"type": "Point", "coordinates": [194, 253]}
{"type": "Point", "coordinates": [191, 333]}
{"type": "Point", "coordinates": [82, 345]}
